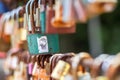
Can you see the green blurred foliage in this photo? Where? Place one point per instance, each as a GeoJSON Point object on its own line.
{"type": "Point", "coordinates": [75, 42]}
{"type": "Point", "coordinates": [111, 31]}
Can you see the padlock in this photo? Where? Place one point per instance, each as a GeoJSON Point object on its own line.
{"type": "Point", "coordinates": [42, 6]}
{"type": "Point", "coordinates": [25, 57]}
{"type": "Point", "coordinates": [42, 70]}
{"type": "Point", "coordinates": [16, 36]}
{"type": "Point", "coordinates": [53, 63]}
{"type": "Point", "coordinates": [113, 70]}
{"type": "Point", "coordinates": [55, 60]}
{"type": "Point", "coordinates": [97, 7]}
{"type": "Point", "coordinates": [6, 65]}
{"type": "Point", "coordinates": [23, 70]}
{"type": "Point", "coordinates": [85, 76]}
{"type": "Point", "coordinates": [97, 65]}
{"type": "Point", "coordinates": [30, 67]}
{"type": "Point", "coordinates": [37, 27]}
{"type": "Point", "coordinates": [37, 19]}
{"type": "Point", "coordinates": [80, 11]}
{"type": "Point", "coordinates": [50, 13]}
{"type": "Point", "coordinates": [29, 27]}
{"type": "Point", "coordinates": [47, 65]}
{"type": "Point", "coordinates": [2, 22]}
{"type": "Point", "coordinates": [23, 30]}
{"type": "Point", "coordinates": [9, 25]}
{"type": "Point", "coordinates": [23, 34]}
{"type": "Point", "coordinates": [14, 62]}
{"type": "Point", "coordinates": [77, 64]}
{"type": "Point", "coordinates": [60, 70]}
{"type": "Point", "coordinates": [68, 77]}
{"type": "Point", "coordinates": [107, 63]}
{"type": "Point", "coordinates": [65, 57]}
{"type": "Point", "coordinates": [35, 71]}
{"type": "Point", "coordinates": [102, 78]}
{"type": "Point", "coordinates": [63, 14]}
{"type": "Point", "coordinates": [13, 39]}
{"type": "Point", "coordinates": [39, 43]}
{"type": "Point", "coordinates": [25, 21]}
{"type": "Point", "coordinates": [4, 36]}
{"type": "Point", "coordinates": [101, 65]}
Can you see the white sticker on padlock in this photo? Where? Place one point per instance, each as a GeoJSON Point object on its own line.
{"type": "Point", "coordinates": [42, 44]}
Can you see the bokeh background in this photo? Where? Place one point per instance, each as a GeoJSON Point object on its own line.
{"type": "Point", "coordinates": [105, 29]}
{"type": "Point", "coordinates": [100, 34]}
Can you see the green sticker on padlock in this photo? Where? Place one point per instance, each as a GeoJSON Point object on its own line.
{"type": "Point", "coordinates": [43, 44]}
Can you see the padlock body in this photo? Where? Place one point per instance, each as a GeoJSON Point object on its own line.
{"type": "Point", "coordinates": [43, 43]}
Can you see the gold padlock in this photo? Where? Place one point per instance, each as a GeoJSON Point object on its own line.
{"type": "Point", "coordinates": [60, 70]}
{"type": "Point", "coordinates": [101, 78]}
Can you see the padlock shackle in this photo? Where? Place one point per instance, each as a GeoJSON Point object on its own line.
{"type": "Point", "coordinates": [97, 64]}
{"type": "Point", "coordinates": [44, 59]}
{"type": "Point", "coordinates": [27, 9]}
{"type": "Point", "coordinates": [39, 59]}
{"type": "Point", "coordinates": [33, 59]}
{"type": "Point", "coordinates": [25, 21]}
{"type": "Point", "coordinates": [22, 11]}
{"type": "Point", "coordinates": [17, 15]}
{"type": "Point", "coordinates": [32, 15]}
{"type": "Point", "coordinates": [3, 20]}
{"type": "Point", "coordinates": [51, 2]}
{"type": "Point", "coordinates": [12, 14]}
{"type": "Point", "coordinates": [36, 3]}
{"type": "Point", "coordinates": [52, 62]}
{"type": "Point", "coordinates": [39, 2]}
{"type": "Point", "coordinates": [7, 16]}
{"type": "Point", "coordinates": [44, 2]}
{"type": "Point", "coordinates": [18, 11]}
{"type": "Point", "coordinates": [113, 70]}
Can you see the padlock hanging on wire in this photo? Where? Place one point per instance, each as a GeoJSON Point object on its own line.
{"type": "Point", "coordinates": [50, 14]}
{"type": "Point", "coordinates": [97, 7]}
{"type": "Point", "coordinates": [63, 14]}
{"type": "Point", "coordinates": [40, 43]}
